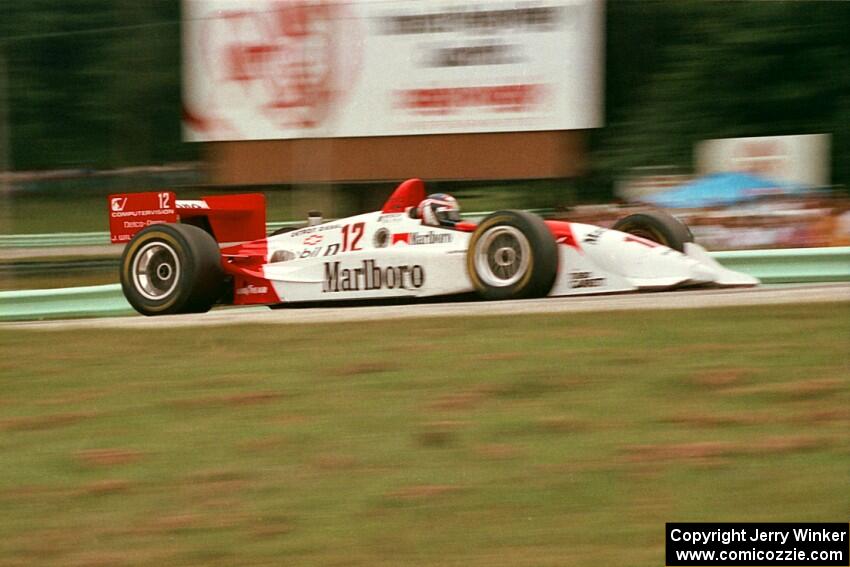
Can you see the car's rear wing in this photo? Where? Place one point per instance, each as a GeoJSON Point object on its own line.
{"type": "Point", "coordinates": [228, 218]}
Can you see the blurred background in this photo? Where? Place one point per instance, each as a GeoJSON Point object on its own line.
{"type": "Point", "coordinates": [734, 114]}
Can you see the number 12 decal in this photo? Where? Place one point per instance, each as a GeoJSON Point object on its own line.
{"type": "Point", "coordinates": [355, 231]}
{"type": "Point", "coordinates": [163, 200]}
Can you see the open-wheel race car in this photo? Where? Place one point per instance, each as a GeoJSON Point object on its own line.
{"type": "Point", "coordinates": [185, 256]}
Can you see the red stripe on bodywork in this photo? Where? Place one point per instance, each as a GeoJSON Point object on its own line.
{"type": "Point", "coordinates": [639, 240]}
{"type": "Point", "coordinates": [563, 233]}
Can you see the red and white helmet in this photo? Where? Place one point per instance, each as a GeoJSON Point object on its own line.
{"type": "Point", "coordinates": [439, 209]}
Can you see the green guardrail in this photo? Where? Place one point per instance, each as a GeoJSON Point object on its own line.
{"type": "Point", "coordinates": [89, 301]}
{"type": "Point", "coordinates": [771, 266]}
{"type": "Point", "coordinates": [102, 238]}
{"type": "Point", "coordinates": [790, 265]}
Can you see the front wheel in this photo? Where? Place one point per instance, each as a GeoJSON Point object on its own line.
{"type": "Point", "coordinates": [172, 268]}
{"type": "Point", "coordinates": [512, 255]}
{"type": "Point", "coordinates": [657, 226]}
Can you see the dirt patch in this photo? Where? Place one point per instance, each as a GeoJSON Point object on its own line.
{"type": "Point", "coordinates": [423, 491]}
{"type": "Point", "coordinates": [801, 389]}
{"type": "Point", "coordinates": [335, 462]}
{"type": "Point", "coordinates": [439, 433]}
{"type": "Point", "coordinates": [177, 522]}
{"type": "Point", "coordinates": [272, 527]}
{"type": "Point", "coordinates": [215, 476]}
{"type": "Point", "coordinates": [784, 444]}
{"type": "Point", "coordinates": [245, 399]}
{"type": "Point", "coordinates": [41, 422]}
{"type": "Point", "coordinates": [290, 419]}
{"type": "Point", "coordinates": [705, 452]}
{"type": "Point", "coordinates": [498, 451]}
{"type": "Point", "coordinates": [716, 452]}
{"type": "Point", "coordinates": [719, 420]}
{"type": "Point", "coordinates": [71, 398]}
{"type": "Point", "coordinates": [182, 522]}
{"type": "Point", "coordinates": [721, 377]}
{"type": "Point", "coordinates": [497, 356]}
{"type": "Point", "coordinates": [823, 416]}
{"type": "Point", "coordinates": [459, 401]}
{"type": "Point", "coordinates": [215, 489]}
{"type": "Point", "coordinates": [106, 487]}
{"type": "Point", "coordinates": [359, 368]}
{"type": "Point", "coordinates": [31, 492]}
{"type": "Point", "coordinates": [698, 348]}
{"type": "Point", "coordinates": [108, 457]}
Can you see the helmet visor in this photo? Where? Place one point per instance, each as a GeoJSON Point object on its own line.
{"type": "Point", "coordinates": [452, 215]}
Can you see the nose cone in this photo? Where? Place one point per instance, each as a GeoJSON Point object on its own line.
{"type": "Point", "coordinates": [702, 274]}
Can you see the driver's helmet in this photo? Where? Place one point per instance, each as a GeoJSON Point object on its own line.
{"type": "Point", "coordinates": [439, 209]}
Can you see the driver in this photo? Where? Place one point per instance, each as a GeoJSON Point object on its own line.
{"type": "Point", "coordinates": [439, 209]}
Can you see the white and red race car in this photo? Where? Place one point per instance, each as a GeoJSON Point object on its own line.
{"type": "Point", "coordinates": [185, 256]}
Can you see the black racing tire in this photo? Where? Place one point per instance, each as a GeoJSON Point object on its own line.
{"type": "Point", "coordinates": [657, 226]}
{"type": "Point", "coordinates": [172, 268]}
{"type": "Point", "coordinates": [512, 255]}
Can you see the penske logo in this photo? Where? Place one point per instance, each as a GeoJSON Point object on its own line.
{"type": "Point", "coordinates": [369, 276]}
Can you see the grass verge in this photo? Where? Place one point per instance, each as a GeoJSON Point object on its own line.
{"type": "Point", "coordinates": [542, 440]}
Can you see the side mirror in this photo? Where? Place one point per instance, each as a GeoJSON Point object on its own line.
{"type": "Point", "coordinates": [413, 212]}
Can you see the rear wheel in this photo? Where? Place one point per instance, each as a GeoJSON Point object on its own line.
{"type": "Point", "coordinates": [512, 255]}
{"type": "Point", "coordinates": [172, 268]}
{"type": "Point", "coordinates": [658, 227]}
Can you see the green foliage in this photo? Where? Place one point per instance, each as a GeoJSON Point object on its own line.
{"type": "Point", "coordinates": [680, 72]}
{"type": "Point", "coordinates": [93, 83]}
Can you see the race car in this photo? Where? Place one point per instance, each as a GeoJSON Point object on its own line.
{"type": "Point", "coordinates": [185, 256]}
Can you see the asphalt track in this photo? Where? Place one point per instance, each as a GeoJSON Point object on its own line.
{"type": "Point", "coordinates": [685, 299]}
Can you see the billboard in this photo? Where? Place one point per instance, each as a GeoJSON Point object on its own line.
{"type": "Point", "coordinates": [283, 69]}
{"type": "Point", "coordinates": [801, 160]}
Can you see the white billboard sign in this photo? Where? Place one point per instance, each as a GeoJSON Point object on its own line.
{"type": "Point", "coordinates": [802, 160]}
{"type": "Point", "coordinates": [272, 69]}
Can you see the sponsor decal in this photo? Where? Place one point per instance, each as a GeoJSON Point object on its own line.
{"type": "Point", "coordinates": [252, 290]}
{"type": "Point", "coordinates": [369, 276]}
{"type": "Point", "coordinates": [381, 238]}
{"type": "Point", "coordinates": [585, 279]}
{"type": "Point", "coordinates": [313, 239]}
{"type": "Point", "coordinates": [331, 250]}
{"type": "Point", "coordinates": [391, 217]}
{"type": "Point", "coordinates": [593, 236]}
{"type": "Point", "coordinates": [419, 238]}
{"type": "Point", "coordinates": [118, 203]}
{"type": "Point", "coordinates": [310, 252]}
